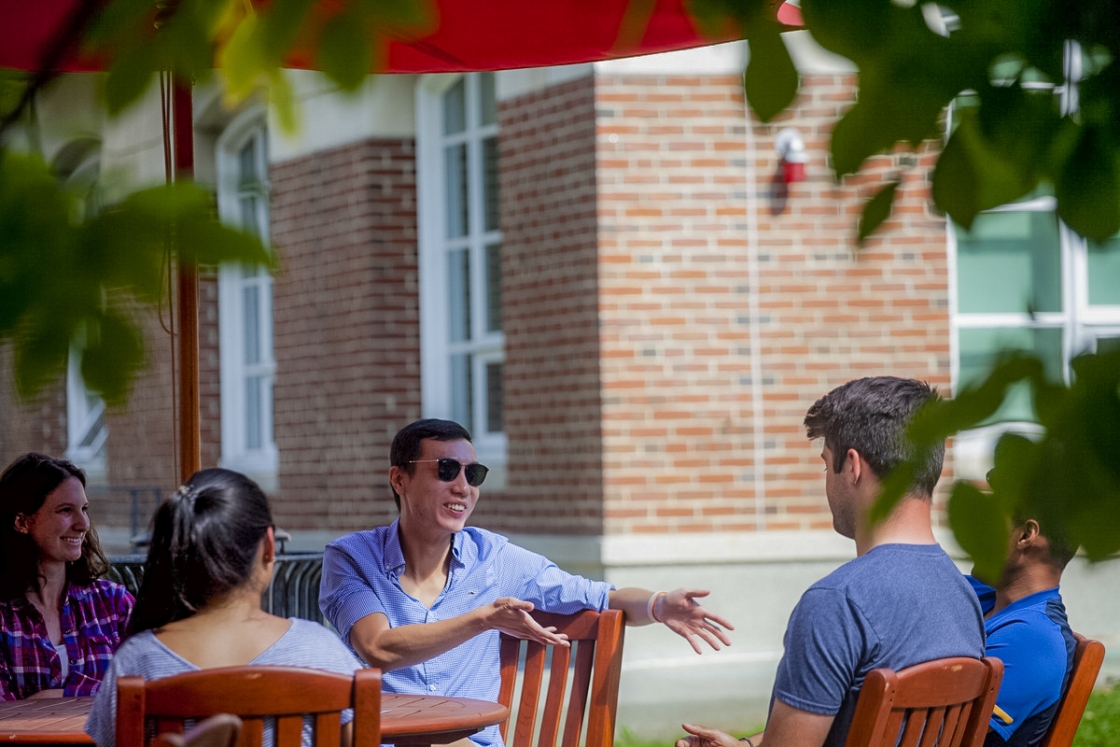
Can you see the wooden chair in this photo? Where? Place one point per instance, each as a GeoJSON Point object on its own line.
{"type": "Point", "coordinates": [221, 730]}
{"type": "Point", "coordinates": [942, 703]}
{"type": "Point", "coordinates": [1087, 659]}
{"type": "Point", "coordinates": [580, 680]}
{"type": "Point", "coordinates": [254, 693]}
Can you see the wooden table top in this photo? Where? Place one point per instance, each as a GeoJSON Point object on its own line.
{"type": "Point", "coordinates": [406, 720]}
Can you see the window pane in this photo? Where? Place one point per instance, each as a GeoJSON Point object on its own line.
{"type": "Point", "coordinates": [979, 349]}
{"type": "Point", "coordinates": [490, 182]}
{"type": "Point", "coordinates": [486, 94]}
{"type": "Point", "coordinates": [455, 172]}
{"type": "Point", "coordinates": [459, 294]}
{"type": "Point", "coordinates": [455, 108]}
{"type": "Point", "coordinates": [494, 288]}
{"type": "Point", "coordinates": [249, 215]}
{"type": "Point", "coordinates": [1104, 273]}
{"type": "Point", "coordinates": [251, 299]}
{"type": "Point", "coordinates": [1021, 250]}
{"type": "Point", "coordinates": [94, 431]}
{"type": "Point", "coordinates": [462, 401]}
{"type": "Point", "coordinates": [494, 404]}
{"type": "Point", "coordinates": [247, 163]}
{"type": "Point", "coordinates": [253, 412]}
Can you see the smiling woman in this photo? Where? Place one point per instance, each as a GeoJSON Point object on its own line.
{"type": "Point", "coordinates": [61, 621]}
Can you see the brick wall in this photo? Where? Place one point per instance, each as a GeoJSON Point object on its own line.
{"type": "Point", "coordinates": [550, 292]}
{"type": "Point", "coordinates": [35, 425]}
{"type": "Point", "coordinates": [678, 213]}
{"type": "Point", "coordinates": [346, 330]}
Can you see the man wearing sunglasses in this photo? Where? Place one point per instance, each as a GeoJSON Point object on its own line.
{"type": "Point", "coordinates": [425, 598]}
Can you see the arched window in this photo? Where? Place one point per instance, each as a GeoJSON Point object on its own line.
{"type": "Point", "coordinates": [245, 305]}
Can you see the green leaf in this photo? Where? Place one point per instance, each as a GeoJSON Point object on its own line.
{"type": "Point", "coordinates": [771, 79]}
{"type": "Point", "coordinates": [1088, 187]}
{"type": "Point", "coordinates": [345, 54]}
{"type": "Point", "coordinates": [877, 210]}
{"type": "Point", "coordinates": [981, 528]}
{"type": "Point", "coordinates": [130, 75]}
{"type": "Point", "coordinates": [970, 176]}
{"type": "Point", "coordinates": [114, 353]}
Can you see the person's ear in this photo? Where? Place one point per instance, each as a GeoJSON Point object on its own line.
{"type": "Point", "coordinates": [396, 478]}
{"type": "Point", "coordinates": [853, 463]}
{"type": "Point", "coordinates": [22, 524]}
{"type": "Point", "coordinates": [269, 543]}
{"type": "Point", "coordinates": [1027, 532]}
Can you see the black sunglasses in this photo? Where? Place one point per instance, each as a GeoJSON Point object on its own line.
{"type": "Point", "coordinates": [448, 469]}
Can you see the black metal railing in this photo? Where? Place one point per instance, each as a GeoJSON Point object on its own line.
{"type": "Point", "coordinates": [294, 591]}
{"type": "Point", "coordinates": [114, 505]}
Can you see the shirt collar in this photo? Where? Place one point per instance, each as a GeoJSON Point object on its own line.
{"type": "Point", "coordinates": [393, 555]}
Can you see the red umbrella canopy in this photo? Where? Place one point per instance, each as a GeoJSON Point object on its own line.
{"type": "Point", "coordinates": [464, 34]}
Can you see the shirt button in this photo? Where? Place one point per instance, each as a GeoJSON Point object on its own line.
{"type": "Point", "coordinates": [432, 688]}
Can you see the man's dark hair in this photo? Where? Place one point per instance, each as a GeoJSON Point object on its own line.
{"type": "Point", "coordinates": [406, 444]}
{"type": "Point", "coordinates": [870, 415]}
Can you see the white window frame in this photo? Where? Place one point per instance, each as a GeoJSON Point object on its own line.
{"type": "Point", "coordinates": [85, 413]}
{"type": "Point", "coordinates": [435, 345]}
{"type": "Point", "coordinates": [1080, 323]}
{"type": "Point", "coordinates": [260, 463]}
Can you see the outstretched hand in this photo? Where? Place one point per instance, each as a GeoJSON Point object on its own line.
{"type": "Point", "coordinates": [682, 614]}
{"type": "Point", "coordinates": [701, 736]}
{"type": "Point", "coordinates": [511, 616]}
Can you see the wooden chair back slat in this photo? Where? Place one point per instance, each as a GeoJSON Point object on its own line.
{"type": "Point", "coordinates": [254, 694]}
{"type": "Point", "coordinates": [580, 692]}
{"type": "Point", "coordinates": [220, 730]}
{"type": "Point", "coordinates": [942, 703]}
{"type": "Point", "coordinates": [554, 697]}
{"type": "Point", "coordinates": [1087, 660]}
{"type": "Point", "coordinates": [913, 727]}
{"type": "Point", "coordinates": [581, 685]}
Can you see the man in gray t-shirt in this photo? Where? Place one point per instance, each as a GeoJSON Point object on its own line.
{"type": "Point", "coordinates": [902, 601]}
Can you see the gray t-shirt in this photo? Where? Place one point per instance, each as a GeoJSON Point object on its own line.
{"type": "Point", "coordinates": [896, 606]}
{"type": "Point", "coordinates": [305, 644]}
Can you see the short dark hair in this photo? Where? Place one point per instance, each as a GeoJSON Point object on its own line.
{"type": "Point", "coordinates": [204, 541]}
{"type": "Point", "coordinates": [24, 487]}
{"type": "Point", "coordinates": [870, 415]}
{"type": "Point", "coordinates": [406, 444]}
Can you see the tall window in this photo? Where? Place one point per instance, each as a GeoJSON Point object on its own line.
{"type": "Point", "coordinates": [460, 256]}
{"type": "Point", "coordinates": [1026, 282]}
{"type": "Point", "coordinates": [245, 307]}
{"type": "Point", "coordinates": [86, 430]}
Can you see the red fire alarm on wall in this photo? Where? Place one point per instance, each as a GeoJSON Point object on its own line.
{"type": "Point", "coordinates": [791, 149]}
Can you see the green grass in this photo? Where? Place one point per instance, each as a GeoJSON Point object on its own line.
{"type": "Point", "coordinates": [627, 738]}
{"type": "Point", "coordinates": [1100, 726]}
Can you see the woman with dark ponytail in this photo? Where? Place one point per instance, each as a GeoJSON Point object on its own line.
{"type": "Point", "coordinates": [60, 621]}
{"type": "Point", "coordinates": [199, 607]}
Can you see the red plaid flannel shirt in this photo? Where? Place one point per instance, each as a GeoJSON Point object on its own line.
{"type": "Point", "coordinates": [93, 620]}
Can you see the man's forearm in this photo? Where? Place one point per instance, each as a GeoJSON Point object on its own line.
{"type": "Point", "coordinates": [404, 646]}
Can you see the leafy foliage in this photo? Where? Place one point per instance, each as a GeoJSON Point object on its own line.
{"type": "Point", "coordinates": [1068, 478]}
{"type": "Point", "coordinates": [1011, 56]}
{"type": "Point", "coordinates": [64, 282]}
{"type": "Point", "coordinates": [250, 42]}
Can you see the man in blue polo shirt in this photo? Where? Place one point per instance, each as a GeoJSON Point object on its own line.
{"type": "Point", "coordinates": [425, 598]}
{"type": "Point", "coordinates": [1026, 627]}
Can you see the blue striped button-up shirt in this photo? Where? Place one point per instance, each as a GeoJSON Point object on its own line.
{"type": "Point", "coordinates": [361, 576]}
